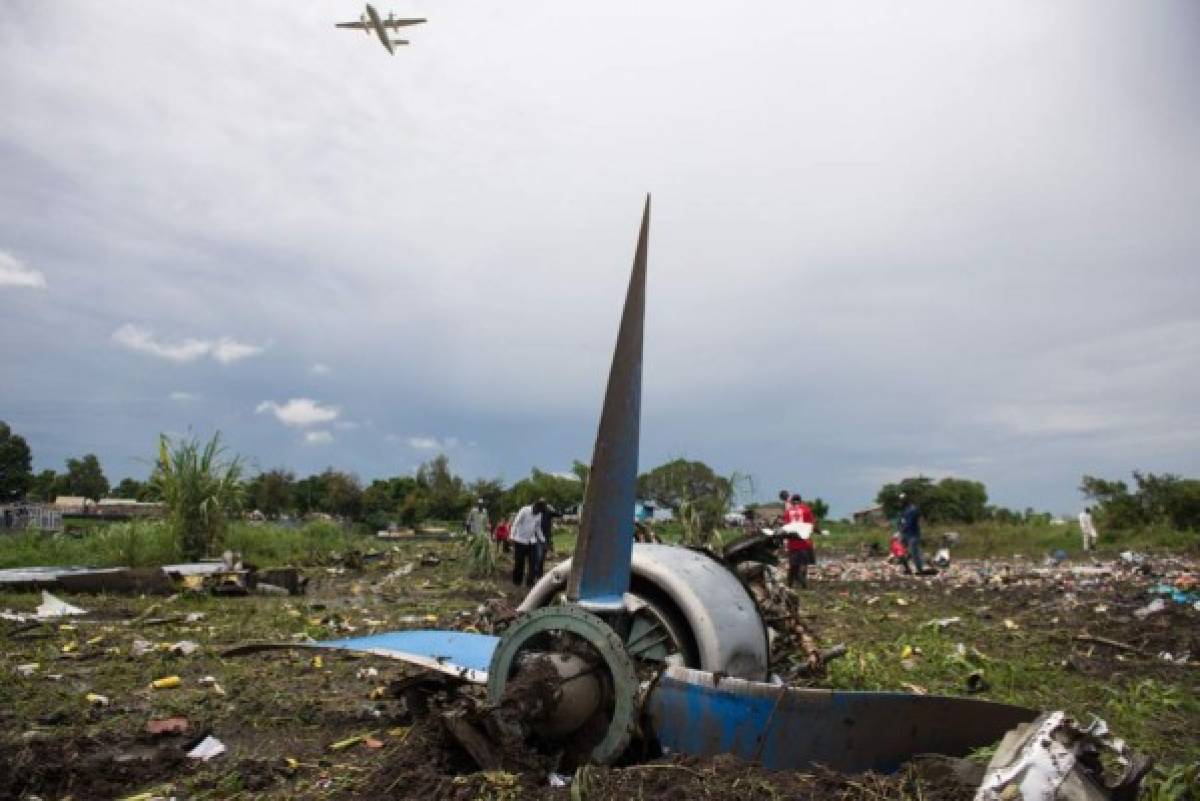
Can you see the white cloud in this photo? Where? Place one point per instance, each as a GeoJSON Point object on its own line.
{"type": "Point", "coordinates": [432, 443]}
{"type": "Point", "coordinates": [320, 369]}
{"type": "Point", "coordinates": [227, 350]}
{"type": "Point", "coordinates": [141, 340]}
{"type": "Point", "coordinates": [346, 425]}
{"type": "Point", "coordinates": [321, 437]}
{"type": "Point", "coordinates": [14, 273]}
{"type": "Point", "coordinates": [300, 412]}
{"type": "Point", "coordinates": [183, 397]}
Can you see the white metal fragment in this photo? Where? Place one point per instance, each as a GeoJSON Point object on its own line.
{"type": "Point", "coordinates": [208, 748]}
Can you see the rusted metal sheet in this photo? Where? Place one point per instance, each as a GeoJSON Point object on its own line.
{"type": "Point", "coordinates": [703, 714]}
{"type": "Point", "coordinates": [600, 573]}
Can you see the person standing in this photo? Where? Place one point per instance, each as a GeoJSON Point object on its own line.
{"type": "Point", "coordinates": [500, 534]}
{"type": "Point", "coordinates": [546, 521]}
{"type": "Point", "coordinates": [526, 539]}
{"type": "Point", "coordinates": [1087, 528]}
{"type": "Point", "coordinates": [477, 520]}
{"type": "Point", "coordinates": [799, 544]}
{"type": "Point", "coordinates": [910, 531]}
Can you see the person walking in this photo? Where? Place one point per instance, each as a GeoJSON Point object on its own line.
{"type": "Point", "coordinates": [526, 538]}
{"type": "Point", "coordinates": [1087, 528]}
{"type": "Point", "coordinates": [910, 532]}
{"type": "Point", "coordinates": [799, 517]}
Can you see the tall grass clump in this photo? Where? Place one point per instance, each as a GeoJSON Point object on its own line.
{"type": "Point", "coordinates": [199, 489]}
{"type": "Point", "coordinates": [482, 555]}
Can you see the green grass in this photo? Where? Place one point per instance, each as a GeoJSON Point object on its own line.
{"type": "Point", "coordinates": [144, 544]}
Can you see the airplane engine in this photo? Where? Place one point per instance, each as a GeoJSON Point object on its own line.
{"type": "Point", "coordinates": [687, 608]}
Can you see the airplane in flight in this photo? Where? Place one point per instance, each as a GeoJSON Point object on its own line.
{"type": "Point", "coordinates": [371, 21]}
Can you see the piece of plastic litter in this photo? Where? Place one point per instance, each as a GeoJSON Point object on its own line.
{"type": "Point", "coordinates": [208, 748]}
{"type": "Point", "coordinates": [52, 607]}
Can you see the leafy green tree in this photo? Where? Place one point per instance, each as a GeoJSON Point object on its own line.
{"type": "Point", "coordinates": [820, 508]}
{"type": "Point", "coordinates": [951, 500]}
{"type": "Point", "coordinates": [309, 495]}
{"type": "Point", "coordinates": [200, 490]}
{"type": "Point", "coordinates": [272, 492]}
{"type": "Point", "coordinates": [582, 471]}
{"type": "Point", "coordinates": [47, 485]}
{"type": "Point", "coordinates": [86, 478]}
{"type": "Point", "coordinates": [681, 480]}
{"type": "Point", "coordinates": [560, 491]}
{"type": "Point", "coordinates": [128, 488]}
{"type": "Point", "coordinates": [383, 501]}
{"type": "Point", "coordinates": [491, 490]}
{"type": "Point", "coordinates": [444, 494]}
{"type": "Point", "coordinates": [1165, 499]}
{"type": "Point", "coordinates": [343, 493]}
{"type": "Point", "coordinates": [16, 465]}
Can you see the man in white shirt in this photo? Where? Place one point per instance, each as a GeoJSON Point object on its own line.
{"type": "Point", "coordinates": [528, 544]}
{"type": "Point", "coordinates": [1088, 529]}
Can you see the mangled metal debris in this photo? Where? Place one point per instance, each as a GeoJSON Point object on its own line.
{"type": "Point", "coordinates": [227, 576]}
{"type": "Point", "coordinates": [1055, 759]}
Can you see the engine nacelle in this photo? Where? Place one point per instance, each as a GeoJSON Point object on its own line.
{"type": "Point", "coordinates": [707, 610]}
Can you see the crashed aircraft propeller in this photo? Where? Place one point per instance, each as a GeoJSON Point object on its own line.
{"type": "Point", "coordinates": [668, 642]}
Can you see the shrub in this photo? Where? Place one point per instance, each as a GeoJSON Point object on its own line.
{"type": "Point", "coordinates": [198, 489]}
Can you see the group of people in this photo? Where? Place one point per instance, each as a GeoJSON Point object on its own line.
{"type": "Point", "coordinates": [906, 539]}
{"type": "Point", "coordinates": [528, 535]}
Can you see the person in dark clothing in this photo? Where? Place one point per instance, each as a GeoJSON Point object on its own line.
{"type": "Point", "coordinates": [910, 531]}
{"type": "Point", "coordinates": [546, 521]}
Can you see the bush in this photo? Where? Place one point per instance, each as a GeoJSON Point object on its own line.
{"type": "Point", "coordinates": [199, 490]}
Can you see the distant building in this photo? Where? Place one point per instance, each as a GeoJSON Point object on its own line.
{"type": "Point", "coordinates": [73, 504]}
{"type": "Point", "coordinates": [112, 508]}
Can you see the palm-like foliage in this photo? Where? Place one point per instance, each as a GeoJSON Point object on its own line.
{"type": "Point", "coordinates": [199, 489]}
{"type": "Point", "coordinates": [482, 555]}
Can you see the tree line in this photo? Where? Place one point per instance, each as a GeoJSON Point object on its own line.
{"type": "Point", "coordinates": [432, 492]}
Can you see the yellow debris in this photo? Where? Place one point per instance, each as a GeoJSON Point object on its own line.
{"type": "Point", "coordinates": [342, 745]}
{"type": "Point", "coordinates": [166, 683]}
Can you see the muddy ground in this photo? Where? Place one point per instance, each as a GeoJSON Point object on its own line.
{"type": "Point", "coordinates": [299, 727]}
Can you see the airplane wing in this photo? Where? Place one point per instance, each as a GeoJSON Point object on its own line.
{"type": "Point", "coordinates": [356, 25]}
{"type": "Point", "coordinates": [400, 23]}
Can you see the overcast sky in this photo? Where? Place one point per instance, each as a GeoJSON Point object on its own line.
{"type": "Point", "coordinates": [888, 238]}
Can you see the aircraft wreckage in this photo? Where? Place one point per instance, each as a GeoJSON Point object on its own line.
{"type": "Point", "coordinates": [665, 644]}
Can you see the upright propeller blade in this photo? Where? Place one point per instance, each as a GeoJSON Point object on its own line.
{"type": "Point", "coordinates": [600, 569]}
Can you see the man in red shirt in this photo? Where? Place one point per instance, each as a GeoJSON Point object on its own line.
{"type": "Point", "coordinates": [800, 545]}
